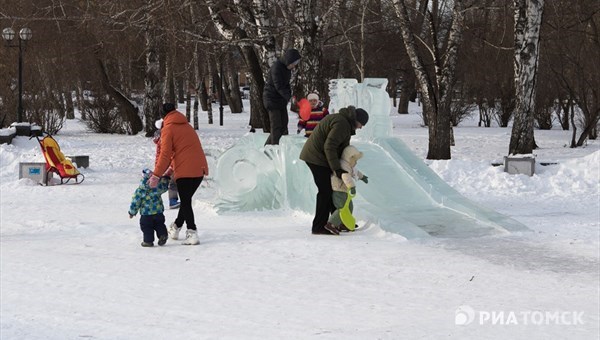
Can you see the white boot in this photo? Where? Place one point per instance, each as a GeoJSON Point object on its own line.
{"type": "Point", "coordinates": [173, 231]}
{"type": "Point", "coordinates": [191, 237]}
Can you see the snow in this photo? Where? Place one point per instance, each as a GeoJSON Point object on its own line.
{"type": "Point", "coordinates": [8, 131]}
{"type": "Point", "coordinates": [72, 266]}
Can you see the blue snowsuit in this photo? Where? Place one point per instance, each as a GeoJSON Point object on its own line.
{"type": "Point", "coordinates": [149, 203]}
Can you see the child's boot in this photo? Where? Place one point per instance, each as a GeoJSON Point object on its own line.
{"type": "Point", "coordinates": [173, 203]}
{"type": "Point", "coordinates": [162, 240]}
{"type": "Point", "coordinates": [147, 244]}
{"type": "Point", "coordinates": [342, 227]}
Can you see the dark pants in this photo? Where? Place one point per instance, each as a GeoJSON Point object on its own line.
{"type": "Point", "coordinates": [279, 122]}
{"type": "Point", "coordinates": [153, 223]}
{"type": "Point", "coordinates": [322, 177]}
{"type": "Point", "coordinates": [187, 187]}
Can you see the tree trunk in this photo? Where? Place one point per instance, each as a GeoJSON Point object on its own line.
{"type": "Point", "coordinates": [203, 94]}
{"type": "Point", "coordinates": [407, 90]}
{"type": "Point", "coordinates": [126, 108]}
{"type": "Point", "coordinates": [152, 80]}
{"type": "Point", "coordinates": [180, 90]}
{"type": "Point", "coordinates": [233, 87]}
{"type": "Point", "coordinates": [563, 118]}
{"type": "Point", "coordinates": [309, 75]}
{"type": "Point", "coordinates": [80, 100]}
{"type": "Point", "coordinates": [259, 117]}
{"type": "Point", "coordinates": [573, 142]}
{"type": "Point", "coordinates": [528, 18]}
{"type": "Point", "coordinates": [170, 80]}
{"type": "Point", "coordinates": [436, 89]}
{"type": "Point", "coordinates": [188, 105]}
{"type": "Point", "coordinates": [588, 131]}
{"type": "Point", "coordinates": [195, 111]}
{"type": "Point", "coordinates": [210, 89]}
{"type": "Point", "coordinates": [69, 105]}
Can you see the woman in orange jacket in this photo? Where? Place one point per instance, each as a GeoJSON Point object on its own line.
{"type": "Point", "coordinates": [181, 147]}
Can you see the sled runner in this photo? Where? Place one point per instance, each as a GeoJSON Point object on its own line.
{"type": "Point", "coordinates": [57, 163]}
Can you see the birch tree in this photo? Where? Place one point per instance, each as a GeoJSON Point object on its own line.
{"type": "Point", "coordinates": [528, 19]}
{"type": "Point", "coordinates": [310, 45]}
{"type": "Point", "coordinates": [152, 78]}
{"type": "Point", "coordinates": [238, 35]}
{"type": "Point", "coordinates": [308, 19]}
{"type": "Point", "coordinates": [435, 85]}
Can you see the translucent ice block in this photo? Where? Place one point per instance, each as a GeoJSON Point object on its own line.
{"type": "Point", "coordinates": [403, 196]}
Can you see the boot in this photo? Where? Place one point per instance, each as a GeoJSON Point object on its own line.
{"type": "Point", "coordinates": [191, 238]}
{"type": "Point", "coordinates": [332, 229]}
{"type": "Point", "coordinates": [173, 203]}
{"type": "Point", "coordinates": [147, 244]}
{"type": "Point", "coordinates": [162, 240]}
{"type": "Point", "coordinates": [173, 231]}
{"type": "Point", "coordinates": [342, 227]}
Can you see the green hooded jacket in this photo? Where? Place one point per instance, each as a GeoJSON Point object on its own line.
{"type": "Point", "coordinates": [325, 145]}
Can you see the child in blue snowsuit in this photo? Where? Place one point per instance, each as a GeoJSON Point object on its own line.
{"type": "Point", "coordinates": [149, 203]}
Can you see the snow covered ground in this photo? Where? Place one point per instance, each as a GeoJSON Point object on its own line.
{"type": "Point", "coordinates": [72, 267]}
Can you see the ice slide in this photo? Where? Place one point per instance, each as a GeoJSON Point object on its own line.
{"type": "Point", "coordinates": [403, 196]}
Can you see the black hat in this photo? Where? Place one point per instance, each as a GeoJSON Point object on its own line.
{"type": "Point", "coordinates": [362, 116]}
{"type": "Point", "coordinates": [291, 56]}
{"type": "Point", "coordinates": [167, 107]}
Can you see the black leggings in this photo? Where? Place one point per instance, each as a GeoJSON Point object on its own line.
{"type": "Point", "coordinates": [187, 187]}
{"type": "Point", "coordinates": [322, 177]}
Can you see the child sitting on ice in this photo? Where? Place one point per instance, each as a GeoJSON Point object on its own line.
{"type": "Point", "coordinates": [317, 112]}
{"type": "Point", "coordinates": [150, 205]}
{"type": "Point", "coordinates": [350, 157]}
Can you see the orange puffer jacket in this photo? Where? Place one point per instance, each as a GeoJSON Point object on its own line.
{"type": "Point", "coordinates": [180, 143]}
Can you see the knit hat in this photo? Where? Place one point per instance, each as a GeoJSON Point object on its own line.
{"type": "Point", "coordinates": [291, 57]}
{"type": "Point", "coordinates": [312, 96]}
{"type": "Point", "coordinates": [362, 116]}
{"type": "Point", "coordinates": [167, 107]}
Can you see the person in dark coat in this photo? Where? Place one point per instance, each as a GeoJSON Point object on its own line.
{"type": "Point", "coordinates": [277, 93]}
{"type": "Point", "coordinates": [322, 152]}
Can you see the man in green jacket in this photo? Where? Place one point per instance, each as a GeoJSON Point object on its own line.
{"type": "Point", "coordinates": [322, 152]}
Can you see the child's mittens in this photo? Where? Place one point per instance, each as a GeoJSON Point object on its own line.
{"type": "Point", "coordinates": [131, 215]}
{"type": "Point", "coordinates": [365, 179]}
{"type": "Point", "coordinates": [153, 181]}
{"type": "Point", "coordinates": [353, 191]}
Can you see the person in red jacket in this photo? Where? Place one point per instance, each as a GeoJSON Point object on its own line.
{"type": "Point", "coordinates": [181, 148]}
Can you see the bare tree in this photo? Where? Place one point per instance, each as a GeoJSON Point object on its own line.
{"type": "Point", "coordinates": [574, 49]}
{"type": "Point", "coordinates": [435, 85]}
{"type": "Point", "coordinates": [528, 19]}
{"type": "Point", "coordinates": [239, 36]}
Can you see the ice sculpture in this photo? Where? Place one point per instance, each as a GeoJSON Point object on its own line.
{"type": "Point", "coordinates": [403, 196]}
{"type": "Point", "coordinates": [369, 95]}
